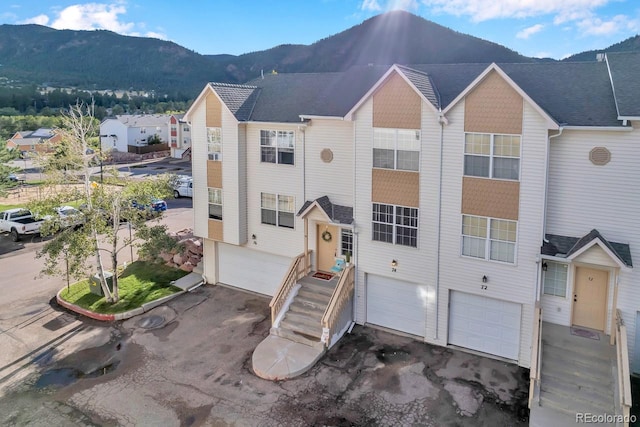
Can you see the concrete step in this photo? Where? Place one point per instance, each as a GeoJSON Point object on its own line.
{"type": "Point", "coordinates": [310, 296]}
{"type": "Point", "coordinates": [311, 332]}
{"type": "Point", "coordinates": [583, 347]}
{"type": "Point", "coordinates": [567, 371]}
{"type": "Point", "coordinates": [602, 394]}
{"type": "Point", "coordinates": [319, 288]}
{"type": "Point", "coordinates": [557, 355]}
{"type": "Point", "coordinates": [300, 306]}
{"type": "Point", "coordinates": [571, 406]}
{"type": "Point", "coordinates": [295, 337]}
{"type": "Point", "coordinates": [303, 319]}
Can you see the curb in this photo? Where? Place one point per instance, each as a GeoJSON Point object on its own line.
{"type": "Point", "coordinates": [115, 316]}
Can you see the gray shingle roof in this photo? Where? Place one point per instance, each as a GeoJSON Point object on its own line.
{"type": "Point", "coordinates": [240, 99]}
{"type": "Point", "coordinates": [565, 246]}
{"type": "Point", "coordinates": [423, 83]}
{"type": "Point", "coordinates": [625, 74]}
{"type": "Point", "coordinates": [337, 213]}
{"type": "Point", "coordinates": [142, 120]}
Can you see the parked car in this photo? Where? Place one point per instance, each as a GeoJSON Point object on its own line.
{"type": "Point", "coordinates": [156, 207]}
{"type": "Point", "coordinates": [13, 177]}
{"type": "Point", "coordinates": [70, 217]}
{"type": "Point", "coordinates": [19, 222]}
{"type": "Point", "coordinates": [183, 188]}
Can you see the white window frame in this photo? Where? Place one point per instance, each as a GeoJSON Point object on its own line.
{"type": "Point", "coordinates": [274, 143]}
{"type": "Point", "coordinates": [215, 199]}
{"type": "Point", "coordinates": [486, 239]}
{"type": "Point", "coordinates": [214, 143]}
{"type": "Point", "coordinates": [396, 146]}
{"type": "Point", "coordinates": [279, 200]}
{"type": "Point", "coordinates": [551, 265]}
{"type": "Point", "coordinates": [395, 225]}
{"type": "Point", "coordinates": [346, 241]}
{"type": "Point", "coordinates": [492, 156]}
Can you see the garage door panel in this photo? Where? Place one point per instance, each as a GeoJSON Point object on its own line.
{"type": "Point", "coordinates": [396, 304]}
{"type": "Point", "coordinates": [250, 269]}
{"type": "Point", "coordinates": [484, 324]}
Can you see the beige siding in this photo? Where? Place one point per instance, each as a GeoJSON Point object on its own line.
{"type": "Point", "coordinates": [216, 230]}
{"type": "Point", "coordinates": [214, 174]}
{"type": "Point", "coordinates": [395, 187]}
{"type": "Point", "coordinates": [583, 196]}
{"type": "Point", "coordinates": [416, 265]}
{"type": "Point", "coordinates": [490, 197]}
{"type": "Point", "coordinates": [493, 107]}
{"type": "Point", "coordinates": [396, 105]}
{"type": "Point", "coordinates": [214, 111]}
{"type": "Point", "coordinates": [333, 179]}
{"type": "Point", "coordinates": [514, 283]}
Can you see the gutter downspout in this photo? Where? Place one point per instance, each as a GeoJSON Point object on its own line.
{"type": "Point", "coordinates": [538, 289]}
{"type": "Point", "coordinates": [442, 120]}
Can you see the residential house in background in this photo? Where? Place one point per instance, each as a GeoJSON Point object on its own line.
{"type": "Point", "coordinates": [475, 203]}
{"type": "Point", "coordinates": [32, 142]}
{"type": "Point", "coordinates": [130, 133]}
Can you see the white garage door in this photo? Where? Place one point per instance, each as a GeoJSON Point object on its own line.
{"type": "Point", "coordinates": [396, 304]}
{"type": "Point", "coordinates": [484, 324]}
{"type": "Point", "coordinates": [250, 269]}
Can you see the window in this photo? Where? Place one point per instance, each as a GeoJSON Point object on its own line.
{"type": "Point", "coordinates": [499, 244]}
{"type": "Point", "coordinates": [492, 156]}
{"type": "Point", "coordinates": [277, 210]}
{"type": "Point", "coordinates": [555, 279]}
{"type": "Point", "coordinates": [346, 241]}
{"type": "Point", "coordinates": [396, 149]}
{"type": "Point", "coordinates": [143, 130]}
{"type": "Point", "coordinates": [215, 203]}
{"type": "Point", "coordinates": [277, 146]}
{"type": "Point", "coordinates": [395, 224]}
{"type": "Point", "coordinates": [214, 143]}
{"type": "Point", "coordinates": [185, 129]}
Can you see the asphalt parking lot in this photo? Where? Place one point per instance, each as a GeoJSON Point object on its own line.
{"type": "Point", "coordinates": [189, 363]}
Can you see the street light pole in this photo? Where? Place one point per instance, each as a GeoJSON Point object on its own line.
{"type": "Point", "coordinates": [100, 146]}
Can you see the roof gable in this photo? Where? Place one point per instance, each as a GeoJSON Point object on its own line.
{"type": "Point", "coordinates": [572, 247]}
{"type": "Point", "coordinates": [623, 70]}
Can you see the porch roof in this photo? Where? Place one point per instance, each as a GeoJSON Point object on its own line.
{"type": "Point", "coordinates": [565, 246]}
{"type": "Point", "coordinates": [335, 213]}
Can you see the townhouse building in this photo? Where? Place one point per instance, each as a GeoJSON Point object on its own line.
{"type": "Point", "coordinates": [468, 198]}
{"type": "Point", "coordinates": [34, 142]}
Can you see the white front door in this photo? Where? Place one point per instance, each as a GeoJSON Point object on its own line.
{"type": "Point", "coordinates": [484, 324]}
{"type": "Point", "coordinates": [396, 304]}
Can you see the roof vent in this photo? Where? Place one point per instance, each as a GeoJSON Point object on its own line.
{"type": "Point", "coordinates": [600, 57]}
{"type": "Point", "coordinates": [600, 156]}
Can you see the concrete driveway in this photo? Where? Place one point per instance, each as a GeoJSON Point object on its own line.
{"type": "Point", "coordinates": [189, 363]}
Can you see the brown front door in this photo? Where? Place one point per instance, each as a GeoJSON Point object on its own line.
{"type": "Point", "coordinates": [327, 246]}
{"type": "Point", "coordinates": [590, 298]}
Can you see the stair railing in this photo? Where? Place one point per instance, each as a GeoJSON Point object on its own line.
{"type": "Point", "coordinates": [536, 352]}
{"type": "Point", "coordinates": [341, 295]}
{"type": "Point", "coordinates": [297, 270]}
{"type": "Point", "coordinates": [624, 376]}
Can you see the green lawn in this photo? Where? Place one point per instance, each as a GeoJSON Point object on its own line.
{"type": "Point", "coordinates": [139, 283]}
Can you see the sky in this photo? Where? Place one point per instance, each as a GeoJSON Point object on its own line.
{"type": "Point", "coordinates": [538, 28]}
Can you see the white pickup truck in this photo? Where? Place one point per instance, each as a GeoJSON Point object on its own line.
{"type": "Point", "coordinates": [18, 222]}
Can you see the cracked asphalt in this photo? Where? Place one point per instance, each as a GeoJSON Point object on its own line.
{"type": "Point", "coordinates": [192, 367]}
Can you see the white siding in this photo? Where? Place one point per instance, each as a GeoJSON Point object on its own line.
{"type": "Point", "coordinates": [583, 196]}
{"type": "Point", "coordinates": [416, 265]}
{"type": "Point", "coordinates": [276, 179]}
{"type": "Point", "coordinates": [508, 282]}
{"type": "Point", "coordinates": [557, 309]}
{"type": "Point", "coordinates": [232, 178]}
{"type": "Point", "coordinates": [334, 179]}
{"type": "Point", "coordinates": [199, 172]}
{"type": "Point", "coordinates": [113, 127]}
{"type": "Point", "coordinates": [595, 255]}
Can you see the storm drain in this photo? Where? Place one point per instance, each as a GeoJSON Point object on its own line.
{"type": "Point", "coordinates": [151, 322]}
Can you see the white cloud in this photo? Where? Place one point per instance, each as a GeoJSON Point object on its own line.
{"type": "Point", "coordinates": [528, 32]}
{"type": "Point", "coordinates": [92, 16]}
{"type": "Point", "coordinates": [370, 5]}
{"type": "Point", "coordinates": [40, 20]}
{"type": "Point", "coordinates": [375, 6]}
{"type": "Point", "coordinates": [482, 10]}
{"type": "Point", "coordinates": [542, 55]}
{"type": "Point", "coordinates": [594, 26]}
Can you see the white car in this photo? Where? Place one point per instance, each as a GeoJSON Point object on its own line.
{"type": "Point", "coordinates": [70, 217]}
{"type": "Point", "coordinates": [183, 188]}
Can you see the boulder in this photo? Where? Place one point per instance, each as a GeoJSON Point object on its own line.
{"type": "Point", "coordinates": [187, 266]}
{"type": "Point", "coordinates": [177, 259]}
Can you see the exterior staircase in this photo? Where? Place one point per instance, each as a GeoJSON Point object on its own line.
{"type": "Point", "coordinates": [302, 322]}
{"type": "Point", "coordinates": [577, 376]}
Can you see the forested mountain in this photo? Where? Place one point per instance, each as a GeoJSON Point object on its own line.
{"type": "Point", "coordinates": [629, 45]}
{"type": "Point", "coordinates": [106, 60]}
{"type": "Point", "coordinates": [33, 54]}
